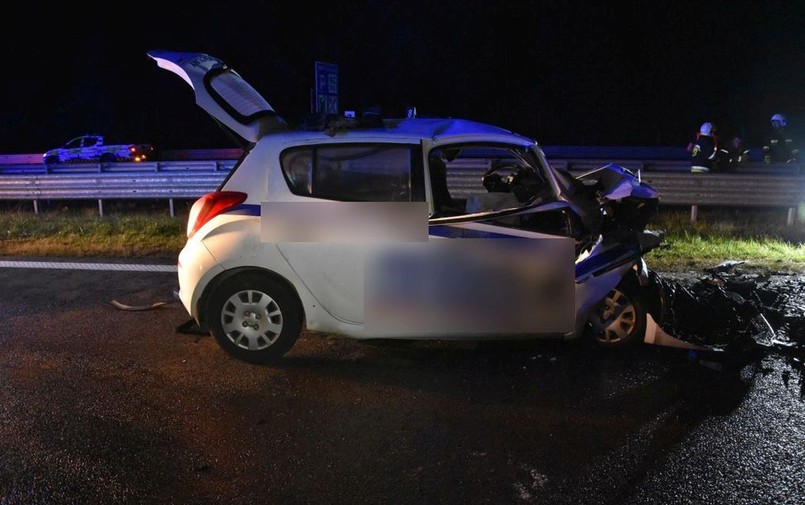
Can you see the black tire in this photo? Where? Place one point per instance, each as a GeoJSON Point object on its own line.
{"type": "Point", "coordinates": [254, 318]}
{"type": "Point", "coordinates": [52, 160]}
{"type": "Point", "coordinates": [108, 158]}
{"type": "Point", "coordinates": [619, 320]}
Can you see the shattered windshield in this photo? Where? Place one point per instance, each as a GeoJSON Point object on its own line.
{"type": "Point", "coordinates": [506, 185]}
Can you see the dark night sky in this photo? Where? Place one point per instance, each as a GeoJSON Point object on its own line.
{"type": "Point", "coordinates": [638, 73]}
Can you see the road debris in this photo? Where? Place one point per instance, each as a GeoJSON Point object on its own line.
{"type": "Point", "coordinates": [122, 306]}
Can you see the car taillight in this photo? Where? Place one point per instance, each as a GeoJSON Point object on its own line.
{"type": "Point", "coordinates": [209, 206]}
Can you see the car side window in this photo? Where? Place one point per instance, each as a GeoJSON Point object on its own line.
{"type": "Point", "coordinates": [355, 172]}
{"type": "Point", "coordinates": [471, 178]}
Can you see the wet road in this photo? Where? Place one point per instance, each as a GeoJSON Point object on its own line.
{"type": "Point", "coordinates": [99, 405]}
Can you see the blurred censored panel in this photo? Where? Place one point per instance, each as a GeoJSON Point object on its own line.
{"type": "Point", "coordinates": [344, 222]}
{"type": "Point", "coordinates": [471, 287]}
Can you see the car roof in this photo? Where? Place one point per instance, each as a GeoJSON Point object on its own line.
{"type": "Point", "coordinates": [408, 130]}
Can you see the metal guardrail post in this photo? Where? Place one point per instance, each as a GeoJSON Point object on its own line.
{"type": "Point", "coordinates": [100, 207]}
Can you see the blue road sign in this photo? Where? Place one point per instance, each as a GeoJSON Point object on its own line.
{"type": "Point", "coordinates": [326, 88]}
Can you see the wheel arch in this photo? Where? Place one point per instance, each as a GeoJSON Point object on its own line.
{"type": "Point", "coordinates": [630, 286]}
{"type": "Point", "coordinates": [250, 271]}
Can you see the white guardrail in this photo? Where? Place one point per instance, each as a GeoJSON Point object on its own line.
{"type": "Point", "coordinates": [755, 185]}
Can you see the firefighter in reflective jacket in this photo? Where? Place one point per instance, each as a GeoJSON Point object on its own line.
{"type": "Point", "coordinates": [779, 146]}
{"type": "Point", "coordinates": [703, 149]}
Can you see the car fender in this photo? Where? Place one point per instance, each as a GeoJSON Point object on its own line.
{"type": "Point", "coordinates": [237, 245]}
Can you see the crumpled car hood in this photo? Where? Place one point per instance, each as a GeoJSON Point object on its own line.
{"type": "Point", "coordinates": [617, 183]}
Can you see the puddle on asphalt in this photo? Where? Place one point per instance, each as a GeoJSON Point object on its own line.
{"type": "Point", "coordinates": [727, 310]}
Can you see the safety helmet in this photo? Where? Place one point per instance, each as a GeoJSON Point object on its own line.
{"type": "Point", "coordinates": [706, 129]}
{"type": "Point", "coordinates": [780, 118]}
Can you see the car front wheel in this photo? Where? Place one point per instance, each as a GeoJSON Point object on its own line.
{"type": "Point", "coordinates": [254, 318]}
{"type": "Point", "coordinates": [619, 320]}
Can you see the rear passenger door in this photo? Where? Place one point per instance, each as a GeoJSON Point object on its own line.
{"type": "Point", "coordinates": [360, 194]}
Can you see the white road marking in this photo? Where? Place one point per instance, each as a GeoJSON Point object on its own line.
{"type": "Point", "coordinates": [117, 267]}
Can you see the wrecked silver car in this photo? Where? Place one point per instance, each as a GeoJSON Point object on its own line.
{"type": "Point", "coordinates": [406, 228]}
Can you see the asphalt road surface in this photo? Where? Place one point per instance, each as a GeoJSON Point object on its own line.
{"type": "Point", "coordinates": [104, 406]}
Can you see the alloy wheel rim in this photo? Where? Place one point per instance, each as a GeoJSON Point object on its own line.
{"type": "Point", "coordinates": [252, 320]}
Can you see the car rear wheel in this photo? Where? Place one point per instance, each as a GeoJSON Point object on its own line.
{"type": "Point", "coordinates": [108, 158]}
{"type": "Point", "coordinates": [52, 160]}
{"type": "Point", "coordinates": [254, 318]}
{"type": "Point", "coordinates": [619, 320]}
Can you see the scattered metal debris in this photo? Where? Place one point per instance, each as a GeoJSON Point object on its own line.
{"type": "Point", "coordinates": [724, 266]}
{"type": "Point", "coordinates": [122, 306]}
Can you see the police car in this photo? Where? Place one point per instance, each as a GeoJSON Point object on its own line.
{"type": "Point", "coordinates": [369, 227]}
{"type": "Point", "coordinates": [92, 149]}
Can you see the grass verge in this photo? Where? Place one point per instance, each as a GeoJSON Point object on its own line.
{"type": "Point", "coordinates": [79, 233]}
{"type": "Point", "coordinates": [761, 238]}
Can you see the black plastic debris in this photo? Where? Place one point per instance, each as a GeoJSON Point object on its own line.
{"type": "Point", "coordinates": [711, 313]}
{"type": "Point", "coordinates": [728, 310]}
{"type": "Point", "coordinates": [191, 327]}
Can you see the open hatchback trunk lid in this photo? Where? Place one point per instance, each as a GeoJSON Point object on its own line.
{"type": "Point", "coordinates": [223, 93]}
